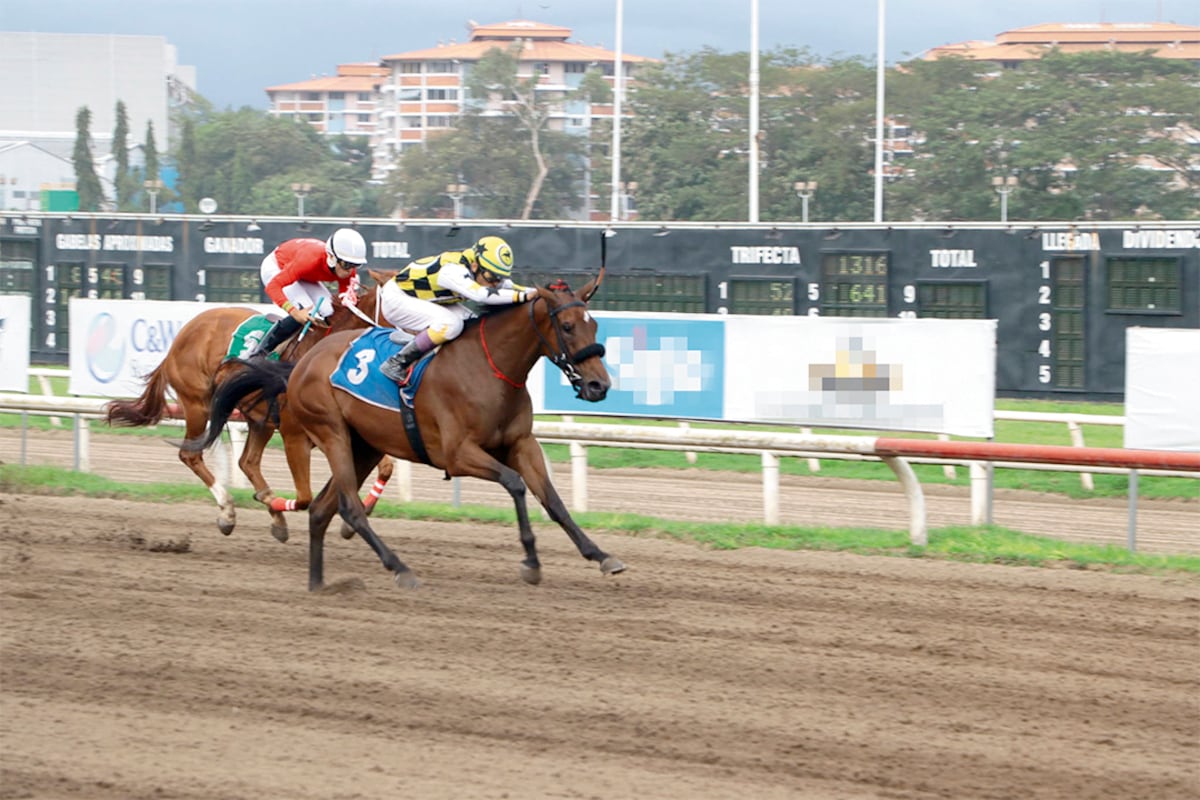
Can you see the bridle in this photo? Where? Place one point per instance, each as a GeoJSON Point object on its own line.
{"type": "Point", "coordinates": [560, 357]}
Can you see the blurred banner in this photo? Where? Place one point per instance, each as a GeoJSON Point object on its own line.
{"type": "Point", "coordinates": [14, 342]}
{"type": "Point", "coordinates": [1162, 389]}
{"type": "Point", "coordinates": [933, 375]}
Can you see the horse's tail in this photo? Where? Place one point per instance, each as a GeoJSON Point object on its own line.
{"type": "Point", "coordinates": [265, 376]}
{"type": "Point", "coordinates": [149, 409]}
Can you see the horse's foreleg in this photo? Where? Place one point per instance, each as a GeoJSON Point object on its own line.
{"type": "Point", "coordinates": [386, 467]}
{"type": "Point", "coordinates": [469, 459]}
{"type": "Point", "coordinates": [257, 437]}
{"type": "Point", "coordinates": [527, 459]}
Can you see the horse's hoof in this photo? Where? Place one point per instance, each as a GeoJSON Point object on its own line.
{"type": "Point", "coordinates": [225, 526]}
{"type": "Point", "coordinates": [611, 566]}
{"type": "Point", "coordinates": [347, 531]}
{"type": "Point", "coordinates": [531, 575]}
{"type": "Point", "coordinates": [407, 580]}
{"type": "Point", "coordinates": [280, 532]}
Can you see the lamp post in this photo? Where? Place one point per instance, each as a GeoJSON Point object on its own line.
{"type": "Point", "coordinates": [628, 190]}
{"type": "Point", "coordinates": [301, 191]}
{"type": "Point", "coordinates": [1004, 186]}
{"type": "Point", "coordinates": [153, 188]}
{"type": "Point", "coordinates": [804, 190]}
{"type": "Point", "coordinates": [456, 192]}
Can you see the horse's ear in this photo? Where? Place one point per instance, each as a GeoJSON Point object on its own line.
{"type": "Point", "coordinates": [587, 291]}
{"type": "Point", "coordinates": [380, 276]}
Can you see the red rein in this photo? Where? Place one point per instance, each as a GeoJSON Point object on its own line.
{"type": "Point", "coordinates": [488, 354]}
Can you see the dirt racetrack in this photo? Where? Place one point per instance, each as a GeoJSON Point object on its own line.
{"type": "Point", "coordinates": [146, 656]}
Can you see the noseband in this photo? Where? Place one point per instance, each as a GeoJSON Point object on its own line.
{"type": "Point", "coordinates": [559, 357]}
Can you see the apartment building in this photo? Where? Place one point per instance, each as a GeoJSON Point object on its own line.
{"type": "Point", "coordinates": [1011, 48]}
{"type": "Point", "coordinates": [347, 102]}
{"type": "Point", "coordinates": [409, 97]}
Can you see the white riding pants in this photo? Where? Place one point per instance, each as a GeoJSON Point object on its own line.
{"type": "Point", "coordinates": [444, 322]}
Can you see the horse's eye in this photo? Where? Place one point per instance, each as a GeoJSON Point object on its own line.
{"type": "Point", "coordinates": [568, 327]}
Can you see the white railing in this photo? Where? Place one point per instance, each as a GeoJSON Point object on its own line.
{"type": "Point", "coordinates": [771, 446]}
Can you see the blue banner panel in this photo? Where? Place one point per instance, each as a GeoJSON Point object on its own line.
{"type": "Point", "coordinates": [659, 368]}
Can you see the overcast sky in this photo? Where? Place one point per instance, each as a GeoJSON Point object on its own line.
{"type": "Point", "coordinates": [239, 47]}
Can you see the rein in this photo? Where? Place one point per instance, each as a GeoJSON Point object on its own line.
{"type": "Point", "coordinates": [488, 354]}
{"type": "Point", "coordinates": [559, 356]}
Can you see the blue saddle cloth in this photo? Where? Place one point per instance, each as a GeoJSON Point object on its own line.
{"type": "Point", "coordinates": [358, 372]}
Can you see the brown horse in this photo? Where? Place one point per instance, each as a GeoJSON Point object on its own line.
{"type": "Point", "coordinates": [192, 363]}
{"type": "Point", "coordinates": [473, 413]}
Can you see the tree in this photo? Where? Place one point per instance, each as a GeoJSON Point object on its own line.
{"type": "Point", "coordinates": [125, 184]}
{"type": "Point", "coordinates": [495, 85]}
{"type": "Point", "coordinates": [1088, 136]}
{"type": "Point", "coordinates": [494, 160]}
{"type": "Point", "coordinates": [187, 162]}
{"type": "Point", "coordinates": [87, 184]}
{"type": "Point", "coordinates": [150, 153]}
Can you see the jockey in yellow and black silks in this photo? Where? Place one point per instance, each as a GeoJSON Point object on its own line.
{"type": "Point", "coordinates": [429, 295]}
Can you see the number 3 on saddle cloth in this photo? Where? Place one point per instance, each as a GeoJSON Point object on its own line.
{"type": "Point", "coordinates": [358, 373]}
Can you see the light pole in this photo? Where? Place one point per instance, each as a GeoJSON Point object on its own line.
{"type": "Point", "coordinates": [301, 191]}
{"type": "Point", "coordinates": [153, 188]}
{"type": "Point", "coordinates": [804, 190]}
{"type": "Point", "coordinates": [457, 191]}
{"type": "Point", "coordinates": [1004, 186]}
{"type": "Point", "coordinates": [628, 189]}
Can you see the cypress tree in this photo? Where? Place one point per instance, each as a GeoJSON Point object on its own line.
{"type": "Point", "coordinates": [87, 184]}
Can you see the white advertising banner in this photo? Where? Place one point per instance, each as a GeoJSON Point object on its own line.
{"type": "Point", "coordinates": [14, 343]}
{"type": "Point", "coordinates": [929, 375]}
{"type": "Point", "coordinates": [934, 375]}
{"type": "Point", "coordinates": [116, 343]}
{"type": "Point", "coordinates": [1162, 389]}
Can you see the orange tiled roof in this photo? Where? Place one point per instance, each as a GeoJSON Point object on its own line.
{"type": "Point", "coordinates": [333, 83]}
{"type": "Point", "coordinates": [541, 43]}
{"type": "Point", "coordinates": [1167, 40]}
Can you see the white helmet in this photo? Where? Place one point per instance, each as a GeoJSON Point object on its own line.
{"type": "Point", "coordinates": [347, 245]}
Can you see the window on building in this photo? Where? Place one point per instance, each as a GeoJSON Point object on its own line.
{"type": "Point", "coordinates": [311, 96]}
{"type": "Point", "coordinates": [441, 67]}
{"type": "Point", "coordinates": [365, 97]}
{"type": "Point", "coordinates": [441, 94]}
{"type": "Point", "coordinates": [337, 95]}
{"type": "Point", "coordinates": [408, 95]}
{"type": "Point", "coordinates": [437, 121]}
{"type": "Point", "coordinates": [576, 67]}
{"type": "Point", "coordinates": [411, 121]}
{"type": "Point", "coordinates": [410, 67]}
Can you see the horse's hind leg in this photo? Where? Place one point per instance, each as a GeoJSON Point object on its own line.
{"type": "Point", "coordinates": [348, 466]}
{"type": "Point", "coordinates": [195, 422]}
{"type": "Point", "coordinates": [257, 437]}
{"type": "Point", "coordinates": [526, 457]}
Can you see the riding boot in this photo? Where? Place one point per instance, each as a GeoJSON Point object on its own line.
{"type": "Point", "coordinates": [397, 366]}
{"type": "Point", "coordinates": [279, 333]}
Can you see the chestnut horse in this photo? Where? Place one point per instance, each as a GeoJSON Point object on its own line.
{"type": "Point", "coordinates": [192, 363]}
{"type": "Point", "coordinates": [472, 409]}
